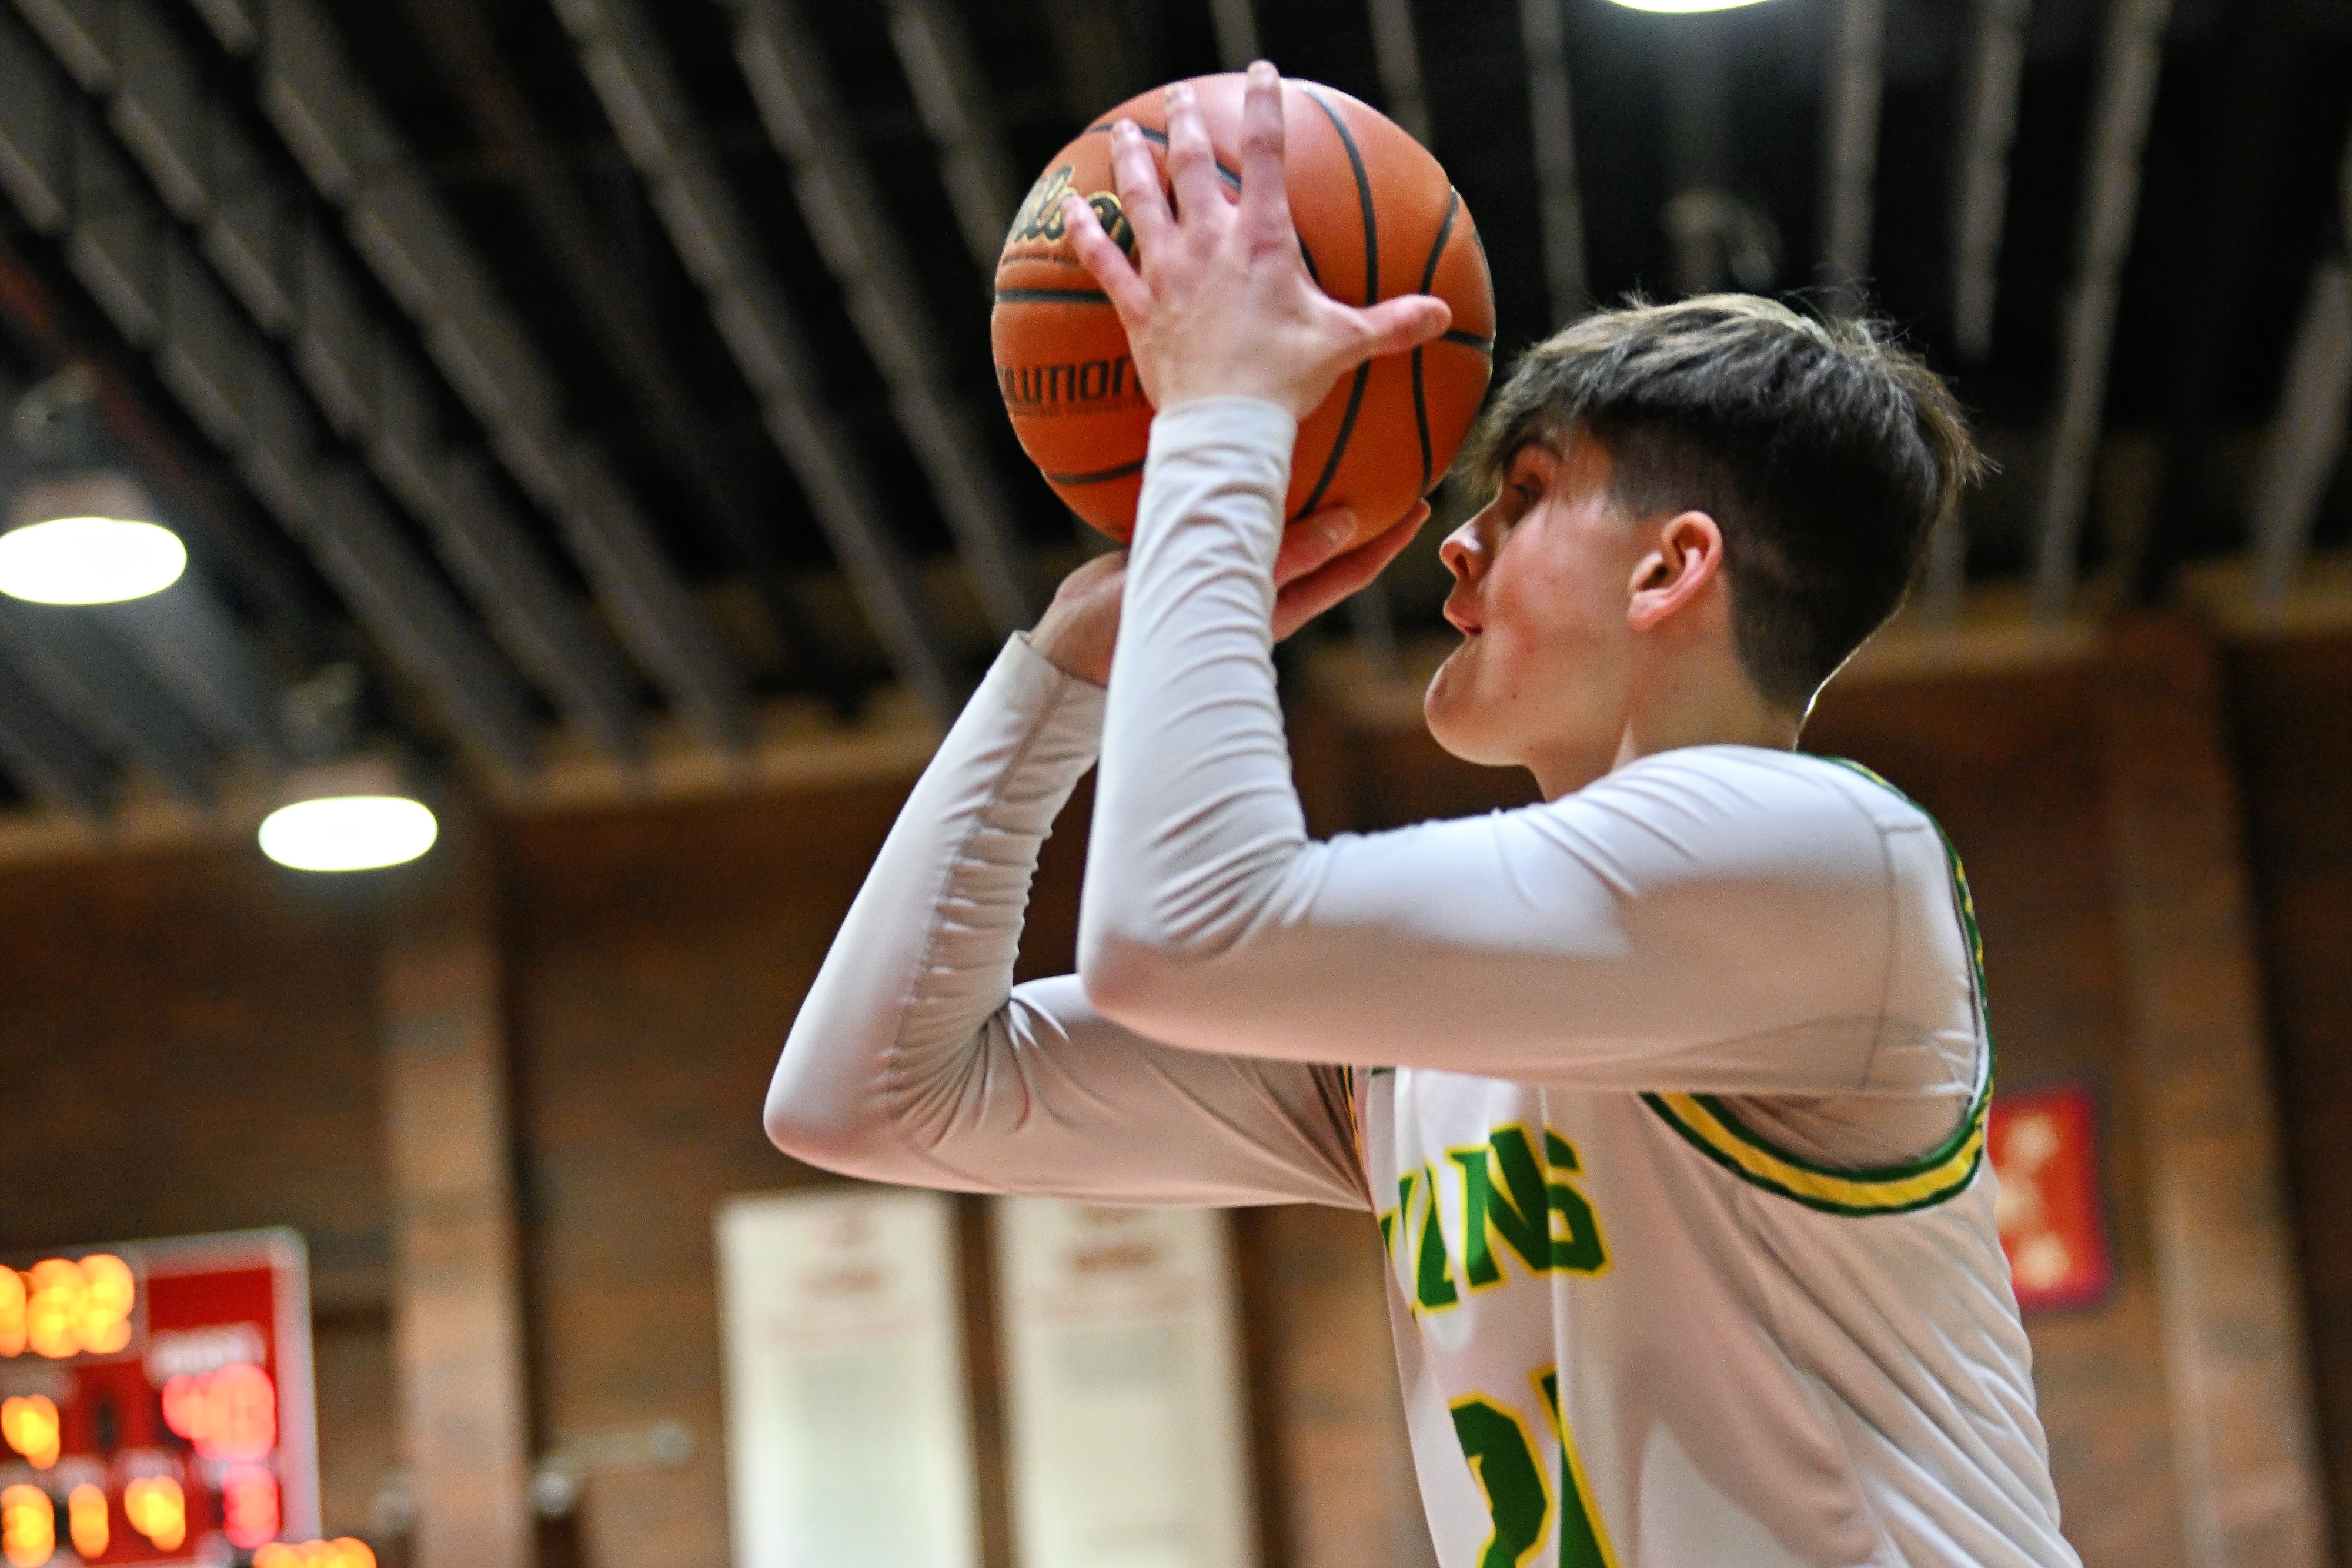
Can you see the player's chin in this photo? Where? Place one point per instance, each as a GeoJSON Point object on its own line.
{"type": "Point", "coordinates": [1457, 719]}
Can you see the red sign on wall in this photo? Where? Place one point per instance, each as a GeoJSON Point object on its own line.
{"type": "Point", "coordinates": [2045, 1152]}
{"type": "Point", "coordinates": [155, 1402]}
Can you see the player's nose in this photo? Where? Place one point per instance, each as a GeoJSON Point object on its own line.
{"type": "Point", "coordinates": [1462, 552]}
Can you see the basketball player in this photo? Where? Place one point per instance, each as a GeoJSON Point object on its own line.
{"type": "Point", "coordinates": [1668, 1093]}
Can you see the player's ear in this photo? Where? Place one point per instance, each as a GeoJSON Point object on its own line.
{"type": "Point", "coordinates": [1687, 556]}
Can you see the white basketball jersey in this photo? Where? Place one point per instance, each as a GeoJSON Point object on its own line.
{"type": "Point", "coordinates": [1630, 1332]}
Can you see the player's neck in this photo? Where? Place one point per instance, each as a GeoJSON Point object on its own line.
{"type": "Point", "coordinates": [1693, 703]}
{"type": "Point", "coordinates": [1701, 697]}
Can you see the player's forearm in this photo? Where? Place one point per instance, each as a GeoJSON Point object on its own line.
{"type": "Point", "coordinates": [924, 957]}
{"type": "Point", "coordinates": [1197, 820]}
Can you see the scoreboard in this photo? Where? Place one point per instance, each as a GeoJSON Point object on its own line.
{"type": "Point", "coordinates": [156, 1405]}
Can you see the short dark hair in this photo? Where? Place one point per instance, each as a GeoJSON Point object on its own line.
{"type": "Point", "coordinates": [1826, 452]}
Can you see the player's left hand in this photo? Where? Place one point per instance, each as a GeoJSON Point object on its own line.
{"type": "Point", "coordinates": [1222, 305]}
{"type": "Point", "coordinates": [1080, 627]}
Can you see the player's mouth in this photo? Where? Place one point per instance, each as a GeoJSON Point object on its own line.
{"type": "Point", "coordinates": [1459, 617]}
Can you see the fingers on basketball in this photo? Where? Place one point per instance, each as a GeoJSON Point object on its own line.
{"type": "Point", "coordinates": [1265, 201]}
{"type": "Point", "coordinates": [1373, 220]}
{"type": "Point", "coordinates": [1191, 163]}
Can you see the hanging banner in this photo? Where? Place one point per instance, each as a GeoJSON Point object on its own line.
{"type": "Point", "coordinates": [155, 1402]}
{"type": "Point", "coordinates": [2044, 1150]}
{"type": "Point", "coordinates": [848, 1431]}
{"type": "Point", "coordinates": [1128, 1429]}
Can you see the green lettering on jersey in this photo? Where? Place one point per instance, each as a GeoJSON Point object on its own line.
{"type": "Point", "coordinates": [1398, 1221]}
{"type": "Point", "coordinates": [1432, 1285]}
{"type": "Point", "coordinates": [1575, 1229]}
{"type": "Point", "coordinates": [1508, 1196]}
{"type": "Point", "coordinates": [1513, 1211]}
{"type": "Point", "coordinates": [1583, 1539]}
{"type": "Point", "coordinates": [1502, 1458]}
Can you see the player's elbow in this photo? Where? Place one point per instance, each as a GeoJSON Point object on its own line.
{"type": "Point", "coordinates": [818, 1125]}
{"type": "Point", "coordinates": [1133, 981]}
{"type": "Point", "coordinates": [812, 1135]}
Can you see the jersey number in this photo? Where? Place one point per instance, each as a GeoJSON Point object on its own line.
{"type": "Point", "coordinates": [1502, 1456]}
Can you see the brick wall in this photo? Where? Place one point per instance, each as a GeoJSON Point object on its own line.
{"type": "Point", "coordinates": [186, 1041]}
{"type": "Point", "coordinates": [2291, 705]}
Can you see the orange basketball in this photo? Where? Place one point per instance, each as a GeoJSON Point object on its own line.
{"type": "Point", "coordinates": [1376, 218]}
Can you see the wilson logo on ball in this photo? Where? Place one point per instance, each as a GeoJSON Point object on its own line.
{"type": "Point", "coordinates": [1040, 217]}
{"type": "Point", "coordinates": [1104, 385]}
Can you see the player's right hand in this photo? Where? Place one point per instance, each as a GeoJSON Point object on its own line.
{"type": "Point", "coordinates": [1080, 629]}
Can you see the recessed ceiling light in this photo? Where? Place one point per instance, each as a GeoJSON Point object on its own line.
{"type": "Point", "coordinates": [1685, 6]}
{"type": "Point", "coordinates": [89, 560]}
{"type": "Point", "coordinates": [351, 816]}
{"type": "Point", "coordinates": [87, 538]}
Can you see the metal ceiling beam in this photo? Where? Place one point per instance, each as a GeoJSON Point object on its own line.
{"type": "Point", "coordinates": [216, 521]}
{"type": "Point", "coordinates": [120, 709]}
{"type": "Point", "coordinates": [42, 752]}
{"type": "Point", "coordinates": [714, 241]}
{"type": "Point", "coordinates": [185, 639]}
{"type": "Point", "coordinates": [837, 196]}
{"type": "Point", "coordinates": [581, 245]}
{"type": "Point", "coordinates": [1980, 194]}
{"type": "Point", "coordinates": [2306, 440]}
{"type": "Point", "coordinates": [2218, 274]}
{"type": "Point", "coordinates": [1850, 149]}
{"type": "Point", "coordinates": [1236, 22]}
{"type": "Point", "coordinates": [353, 157]}
{"type": "Point", "coordinates": [935, 52]}
{"type": "Point", "coordinates": [2131, 56]}
{"type": "Point", "coordinates": [1543, 32]}
{"type": "Point", "coordinates": [1398, 58]}
{"type": "Point", "coordinates": [66, 179]}
{"type": "Point", "coordinates": [265, 245]}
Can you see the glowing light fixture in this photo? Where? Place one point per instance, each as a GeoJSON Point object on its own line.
{"type": "Point", "coordinates": [1685, 6]}
{"type": "Point", "coordinates": [350, 816]}
{"type": "Point", "coordinates": [85, 539]}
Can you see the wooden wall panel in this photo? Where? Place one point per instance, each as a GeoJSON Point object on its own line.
{"type": "Point", "coordinates": [2291, 706]}
{"type": "Point", "coordinates": [2234, 1362]}
{"type": "Point", "coordinates": [457, 1332]}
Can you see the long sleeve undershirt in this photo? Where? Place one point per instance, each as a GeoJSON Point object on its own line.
{"type": "Point", "coordinates": [1720, 919]}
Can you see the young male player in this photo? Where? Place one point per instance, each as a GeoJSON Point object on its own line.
{"type": "Point", "coordinates": [1668, 1093]}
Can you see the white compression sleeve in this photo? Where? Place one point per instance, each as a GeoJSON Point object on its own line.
{"type": "Point", "coordinates": [1718, 918]}
{"type": "Point", "coordinates": [916, 1059]}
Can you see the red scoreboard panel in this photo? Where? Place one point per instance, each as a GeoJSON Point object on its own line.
{"type": "Point", "coordinates": [155, 1402]}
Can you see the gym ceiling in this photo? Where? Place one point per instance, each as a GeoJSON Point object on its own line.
{"type": "Point", "coordinates": [594, 376]}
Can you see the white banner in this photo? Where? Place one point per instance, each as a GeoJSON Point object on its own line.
{"type": "Point", "coordinates": [1129, 1444]}
{"type": "Point", "coordinates": [848, 1434]}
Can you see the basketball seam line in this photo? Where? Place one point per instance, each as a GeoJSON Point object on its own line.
{"type": "Point", "coordinates": [1159, 139]}
{"type": "Point", "coordinates": [1099, 476]}
{"type": "Point", "coordinates": [1231, 177]}
{"type": "Point", "coordinates": [1469, 340]}
{"type": "Point", "coordinates": [1428, 276]}
{"type": "Point", "coordinates": [1051, 296]}
{"type": "Point", "coordinates": [1371, 297]}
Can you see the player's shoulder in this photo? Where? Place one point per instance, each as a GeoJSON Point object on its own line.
{"type": "Point", "coordinates": [1756, 783]}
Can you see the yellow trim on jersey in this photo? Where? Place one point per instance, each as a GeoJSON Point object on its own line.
{"type": "Point", "coordinates": [1715, 1132]}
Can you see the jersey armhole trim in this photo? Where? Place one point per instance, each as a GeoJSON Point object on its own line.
{"type": "Point", "coordinates": [1710, 1127]}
